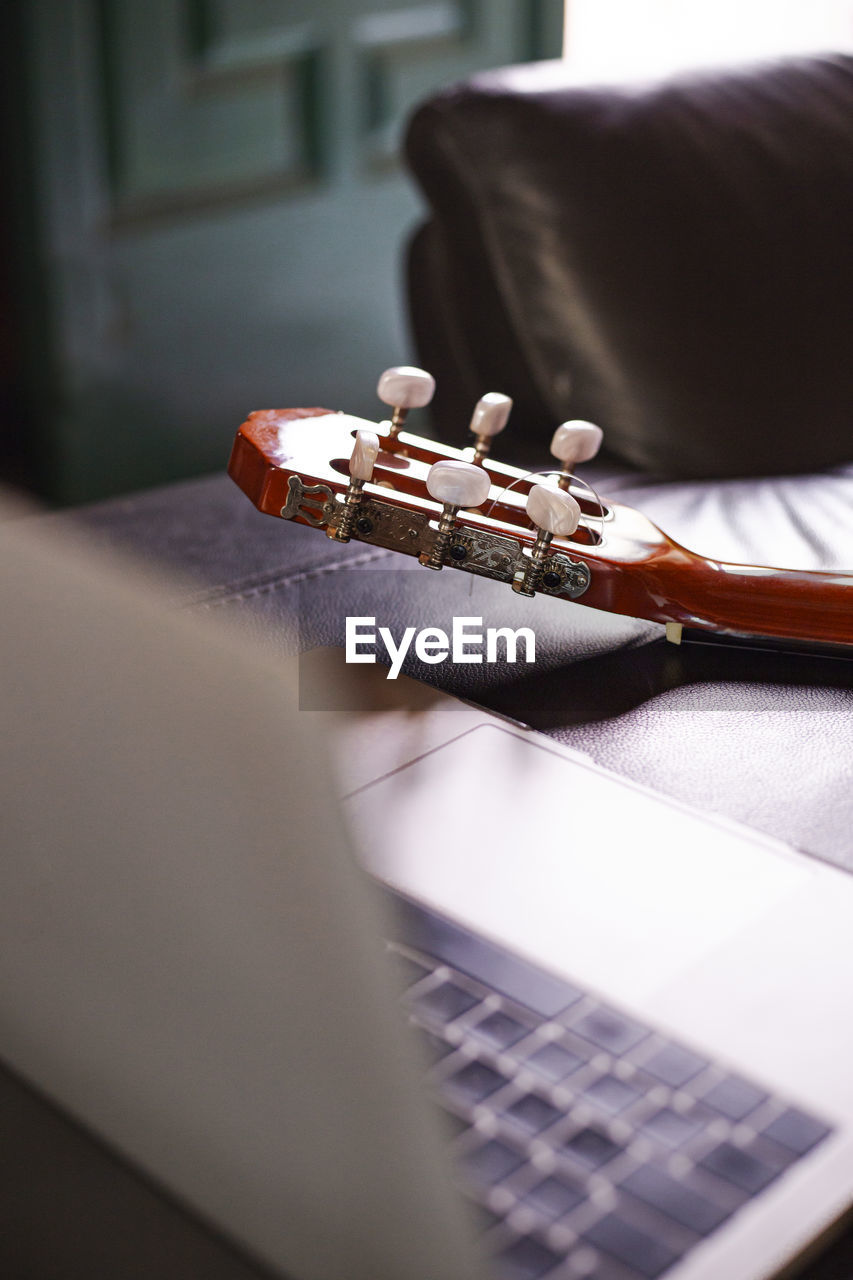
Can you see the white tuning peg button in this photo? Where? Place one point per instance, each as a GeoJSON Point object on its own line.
{"type": "Point", "coordinates": [361, 465]}
{"type": "Point", "coordinates": [553, 511]}
{"type": "Point", "coordinates": [458, 484]}
{"type": "Point", "coordinates": [404, 388]}
{"type": "Point", "coordinates": [454, 485]}
{"type": "Point", "coordinates": [576, 442]}
{"type": "Point", "coordinates": [364, 455]}
{"type": "Point", "coordinates": [490, 416]}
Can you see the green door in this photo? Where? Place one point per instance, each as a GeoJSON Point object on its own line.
{"type": "Point", "coordinates": [221, 211]}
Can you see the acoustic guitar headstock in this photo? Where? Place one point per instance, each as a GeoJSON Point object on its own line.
{"type": "Point", "coordinates": [380, 484]}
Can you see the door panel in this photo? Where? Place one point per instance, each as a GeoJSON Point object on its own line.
{"type": "Point", "coordinates": [195, 109]}
{"type": "Point", "coordinates": [223, 210]}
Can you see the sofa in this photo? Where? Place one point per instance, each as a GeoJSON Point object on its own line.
{"type": "Point", "coordinates": [671, 261]}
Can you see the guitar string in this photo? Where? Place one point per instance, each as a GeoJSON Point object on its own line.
{"type": "Point", "coordinates": [555, 471]}
{"type": "Point", "coordinates": [548, 471]}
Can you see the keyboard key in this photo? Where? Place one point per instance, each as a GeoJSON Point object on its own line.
{"type": "Point", "coordinates": [611, 1094]}
{"type": "Point", "coordinates": [532, 988]}
{"type": "Point", "coordinates": [555, 1197]}
{"type": "Point", "coordinates": [492, 1162]}
{"type": "Point", "coordinates": [670, 1127]}
{"type": "Point", "coordinates": [675, 1199]}
{"type": "Point", "coordinates": [500, 1030]}
{"type": "Point", "coordinates": [610, 1030]}
{"type": "Point", "coordinates": [591, 1147]}
{"type": "Point", "coordinates": [646, 1255]}
{"type": "Point", "coordinates": [739, 1167]}
{"type": "Point", "coordinates": [735, 1097]}
{"type": "Point", "coordinates": [473, 1083]}
{"type": "Point", "coordinates": [554, 1062]}
{"type": "Point", "coordinates": [675, 1065]}
{"type": "Point", "coordinates": [492, 964]}
{"type": "Point", "coordinates": [796, 1131]}
{"type": "Point", "coordinates": [446, 1002]}
{"type": "Point", "coordinates": [527, 1259]}
{"type": "Point", "coordinates": [533, 1113]}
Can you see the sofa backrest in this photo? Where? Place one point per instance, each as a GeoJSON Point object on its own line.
{"type": "Point", "coordinates": [671, 260]}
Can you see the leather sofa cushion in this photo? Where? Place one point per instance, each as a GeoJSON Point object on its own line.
{"type": "Point", "coordinates": [671, 260]}
{"type": "Point", "coordinates": [763, 738]}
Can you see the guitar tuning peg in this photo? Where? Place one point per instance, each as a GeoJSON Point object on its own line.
{"type": "Point", "coordinates": [574, 442]}
{"type": "Point", "coordinates": [404, 388]}
{"type": "Point", "coordinates": [361, 466]}
{"type": "Point", "coordinates": [490, 416]}
{"type": "Point", "coordinates": [364, 455]}
{"type": "Point", "coordinates": [553, 512]}
{"type": "Point", "coordinates": [455, 485]}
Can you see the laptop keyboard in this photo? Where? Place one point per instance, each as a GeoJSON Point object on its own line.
{"type": "Point", "coordinates": [593, 1146]}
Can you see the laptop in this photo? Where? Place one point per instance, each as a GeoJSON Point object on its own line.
{"type": "Point", "coordinates": [632, 1019]}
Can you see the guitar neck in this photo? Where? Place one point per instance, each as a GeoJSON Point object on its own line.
{"type": "Point", "coordinates": [793, 604]}
{"type": "Point", "coordinates": [703, 594]}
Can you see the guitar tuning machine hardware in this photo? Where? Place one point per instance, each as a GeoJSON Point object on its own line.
{"type": "Point", "coordinates": [455, 485]}
{"type": "Point", "coordinates": [361, 466]}
{"type": "Point", "coordinates": [490, 416]}
{"type": "Point", "coordinates": [314, 503]}
{"type": "Point", "coordinates": [482, 552]}
{"type": "Point", "coordinates": [404, 388]}
{"type": "Point", "coordinates": [574, 442]}
{"type": "Point", "coordinates": [553, 512]}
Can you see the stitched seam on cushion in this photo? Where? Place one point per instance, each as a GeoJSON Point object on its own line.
{"type": "Point", "coordinates": [303, 575]}
{"type": "Point", "coordinates": [269, 578]}
{"type": "Point", "coordinates": [250, 581]}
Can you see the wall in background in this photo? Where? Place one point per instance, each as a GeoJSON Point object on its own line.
{"type": "Point", "coordinates": [218, 211]}
{"type": "Point", "coordinates": [621, 37]}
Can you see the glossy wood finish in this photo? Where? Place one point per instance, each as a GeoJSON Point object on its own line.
{"type": "Point", "coordinates": [636, 569]}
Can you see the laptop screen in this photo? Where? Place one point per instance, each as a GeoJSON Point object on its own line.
{"type": "Point", "coordinates": [190, 965]}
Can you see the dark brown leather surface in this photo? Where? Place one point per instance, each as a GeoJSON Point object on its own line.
{"type": "Point", "coordinates": [671, 260]}
{"type": "Point", "coordinates": [763, 738]}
